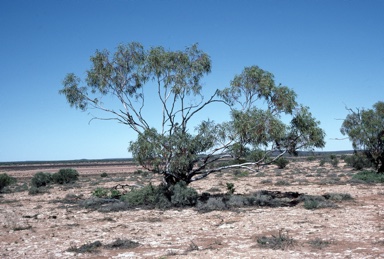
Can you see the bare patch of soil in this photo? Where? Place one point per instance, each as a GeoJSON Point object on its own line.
{"type": "Point", "coordinates": [52, 225]}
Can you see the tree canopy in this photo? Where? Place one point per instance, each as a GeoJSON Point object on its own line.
{"type": "Point", "coordinates": [365, 128]}
{"type": "Point", "coordinates": [174, 149]}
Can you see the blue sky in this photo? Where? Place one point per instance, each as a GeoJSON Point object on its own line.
{"type": "Point", "coordinates": [330, 52]}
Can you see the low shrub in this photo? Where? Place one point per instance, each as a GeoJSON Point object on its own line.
{"type": "Point", "coordinates": [281, 162]}
{"type": "Point", "coordinates": [65, 176]}
{"type": "Point", "coordinates": [106, 193]}
{"type": "Point", "coordinates": [282, 182]}
{"type": "Point", "coordinates": [86, 248]}
{"type": "Point", "coordinates": [142, 173]}
{"type": "Point", "coordinates": [266, 181]}
{"type": "Point", "coordinates": [182, 195]}
{"type": "Point", "coordinates": [358, 161]}
{"type": "Point", "coordinates": [152, 196]}
{"type": "Point", "coordinates": [6, 180]}
{"type": "Point", "coordinates": [317, 202]}
{"type": "Point", "coordinates": [311, 158]}
{"type": "Point", "coordinates": [319, 243]}
{"type": "Point", "coordinates": [100, 192]}
{"type": "Point", "coordinates": [41, 179]}
{"type": "Point", "coordinates": [369, 176]}
{"type": "Point", "coordinates": [338, 196]}
{"type": "Point", "coordinates": [104, 174]}
{"type": "Point", "coordinates": [179, 195]}
{"type": "Point", "coordinates": [230, 188]}
{"type": "Point", "coordinates": [208, 203]}
{"type": "Point", "coordinates": [322, 162]}
{"type": "Point", "coordinates": [212, 204]}
{"type": "Point", "coordinates": [95, 246]}
{"type": "Point", "coordinates": [334, 161]}
{"type": "Point", "coordinates": [281, 241]}
{"type": "Point", "coordinates": [33, 190]}
{"type": "Point", "coordinates": [122, 244]}
{"type": "Point", "coordinates": [240, 173]}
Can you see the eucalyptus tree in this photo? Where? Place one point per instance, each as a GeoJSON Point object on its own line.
{"type": "Point", "coordinates": [171, 147]}
{"type": "Point", "coordinates": [365, 128]}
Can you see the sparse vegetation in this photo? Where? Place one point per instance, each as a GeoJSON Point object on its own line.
{"type": "Point", "coordinates": [312, 202]}
{"type": "Point", "coordinates": [110, 193]}
{"type": "Point", "coordinates": [6, 180]}
{"type": "Point", "coordinates": [334, 160]}
{"type": "Point", "coordinates": [358, 161]}
{"type": "Point", "coordinates": [280, 241]}
{"type": "Point", "coordinates": [33, 190]}
{"type": "Point", "coordinates": [338, 196]}
{"type": "Point", "coordinates": [224, 205]}
{"type": "Point", "coordinates": [41, 180]}
{"type": "Point", "coordinates": [282, 182]}
{"type": "Point", "coordinates": [319, 243]}
{"type": "Point", "coordinates": [368, 176]}
{"type": "Point", "coordinates": [122, 244]}
{"type": "Point", "coordinates": [86, 248]}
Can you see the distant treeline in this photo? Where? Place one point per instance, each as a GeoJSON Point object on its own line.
{"type": "Point", "coordinates": [119, 161]}
{"type": "Point", "coordinates": [33, 165]}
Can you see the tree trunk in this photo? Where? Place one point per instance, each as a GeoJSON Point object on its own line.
{"type": "Point", "coordinates": [381, 168]}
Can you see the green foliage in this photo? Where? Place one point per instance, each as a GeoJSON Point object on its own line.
{"type": "Point", "coordinates": [240, 173]}
{"type": "Point", "coordinates": [6, 180]}
{"type": "Point", "coordinates": [178, 195]}
{"type": "Point", "coordinates": [281, 162]}
{"type": "Point", "coordinates": [261, 198]}
{"type": "Point", "coordinates": [147, 196]}
{"type": "Point", "coordinates": [331, 159]}
{"type": "Point", "coordinates": [258, 155]}
{"type": "Point", "coordinates": [182, 195]}
{"type": "Point", "coordinates": [172, 149]}
{"type": "Point", "coordinates": [211, 204]}
{"type": "Point", "coordinates": [149, 151]}
{"type": "Point", "coordinates": [358, 161]}
{"type": "Point", "coordinates": [101, 192]}
{"type": "Point", "coordinates": [41, 179]}
{"type": "Point", "coordinates": [33, 190]}
{"type": "Point", "coordinates": [114, 194]}
{"type": "Point", "coordinates": [369, 176]}
{"type": "Point", "coordinates": [322, 161]}
{"type": "Point", "coordinates": [334, 160]}
{"type": "Point", "coordinates": [141, 173]}
{"type": "Point", "coordinates": [365, 128]}
{"type": "Point", "coordinates": [312, 202]}
{"type": "Point", "coordinates": [65, 176]}
{"type": "Point", "coordinates": [311, 158]}
{"type": "Point", "coordinates": [230, 188]}
{"type": "Point", "coordinates": [104, 174]}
